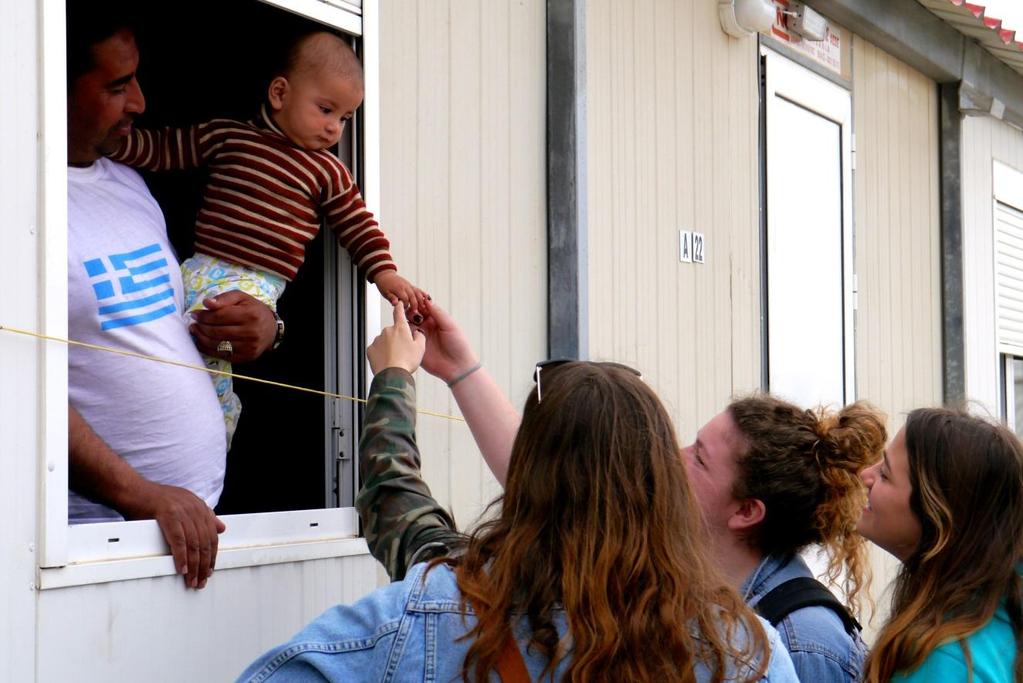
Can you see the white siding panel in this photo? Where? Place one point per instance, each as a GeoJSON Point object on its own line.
{"type": "Point", "coordinates": [672, 128]}
{"type": "Point", "coordinates": [462, 172]}
{"type": "Point", "coordinates": [133, 630]}
{"type": "Point", "coordinates": [896, 200]}
{"type": "Point", "coordinates": [985, 140]}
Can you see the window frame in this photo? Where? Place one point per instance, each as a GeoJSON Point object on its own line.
{"type": "Point", "coordinates": [1007, 184]}
{"type": "Point", "coordinates": [97, 553]}
{"type": "Point", "coordinates": [1007, 389]}
{"type": "Point", "coordinates": [1007, 189]}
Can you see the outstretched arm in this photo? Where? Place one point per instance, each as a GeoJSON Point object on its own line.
{"type": "Point", "coordinates": [491, 417]}
{"type": "Point", "coordinates": [402, 521]}
{"type": "Point", "coordinates": [169, 148]}
{"type": "Point", "coordinates": [187, 523]}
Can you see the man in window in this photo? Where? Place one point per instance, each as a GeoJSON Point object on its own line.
{"type": "Point", "coordinates": [146, 439]}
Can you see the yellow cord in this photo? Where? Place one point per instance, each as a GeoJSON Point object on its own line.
{"type": "Point", "coordinates": [180, 364]}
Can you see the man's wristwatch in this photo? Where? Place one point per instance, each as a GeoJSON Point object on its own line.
{"type": "Point", "coordinates": [279, 337]}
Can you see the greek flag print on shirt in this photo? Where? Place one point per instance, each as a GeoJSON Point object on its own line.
{"type": "Point", "coordinates": [132, 288]}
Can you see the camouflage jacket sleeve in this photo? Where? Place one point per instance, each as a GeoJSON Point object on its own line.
{"type": "Point", "coordinates": [402, 522]}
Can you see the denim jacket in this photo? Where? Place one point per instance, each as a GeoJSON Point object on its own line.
{"type": "Point", "coordinates": [411, 630]}
{"type": "Point", "coordinates": [821, 649]}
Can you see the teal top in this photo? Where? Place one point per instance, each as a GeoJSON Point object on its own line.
{"type": "Point", "coordinates": [993, 649]}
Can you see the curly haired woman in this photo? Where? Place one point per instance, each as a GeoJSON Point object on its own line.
{"type": "Point", "coordinates": [773, 479]}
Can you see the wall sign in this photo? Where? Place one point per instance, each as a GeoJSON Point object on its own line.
{"type": "Point", "coordinates": [691, 247]}
{"type": "Point", "coordinates": [685, 246]}
{"type": "Point", "coordinates": [698, 247]}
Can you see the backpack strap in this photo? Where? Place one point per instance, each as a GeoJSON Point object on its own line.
{"type": "Point", "coordinates": [510, 665]}
{"type": "Point", "coordinates": [803, 591]}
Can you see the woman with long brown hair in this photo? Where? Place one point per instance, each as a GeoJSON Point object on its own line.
{"type": "Point", "coordinates": [594, 567]}
{"type": "Point", "coordinates": [947, 500]}
{"type": "Point", "coordinates": [769, 477]}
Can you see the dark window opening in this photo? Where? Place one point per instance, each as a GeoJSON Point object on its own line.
{"type": "Point", "coordinates": [292, 450]}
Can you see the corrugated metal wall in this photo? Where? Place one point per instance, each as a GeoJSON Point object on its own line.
{"type": "Point", "coordinates": [672, 126]}
{"type": "Point", "coordinates": [673, 145]}
{"type": "Point", "coordinates": [131, 630]}
{"type": "Point", "coordinates": [984, 140]}
{"type": "Point", "coordinates": [896, 203]}
{"type": "Point", "coordinates": [896, 212]}
{"type": "Point", "coordinates": [462, 196]}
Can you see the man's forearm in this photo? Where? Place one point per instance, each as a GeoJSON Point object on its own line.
{"type": "Point", "coordinates": [95, 471]}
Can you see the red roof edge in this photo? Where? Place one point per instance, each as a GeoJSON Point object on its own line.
{"type": "Point", "coordinates": [976, 10]}
{"type": "Point", "coordinates": [996, 41]}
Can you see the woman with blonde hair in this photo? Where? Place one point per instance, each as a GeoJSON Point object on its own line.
{"type": "Point", "coordinates": [594, 567]}
{"type": "Point", "coordinates": [947, 500]}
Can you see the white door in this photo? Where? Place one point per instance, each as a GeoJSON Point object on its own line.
{"type": "Point", "coordinates": [809, 235]}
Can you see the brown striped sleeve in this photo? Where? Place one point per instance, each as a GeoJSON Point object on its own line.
{"type": "Point", "coordinates": [357, 228]}
{"type": "Point", "coordinates": [171, 148]}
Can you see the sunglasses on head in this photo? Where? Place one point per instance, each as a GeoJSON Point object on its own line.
{"type": "Point", "coordinates": [555, 362]}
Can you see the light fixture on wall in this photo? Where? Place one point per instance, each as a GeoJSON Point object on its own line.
{"type": "Point", "coordinates": [805, 22]}
{"type": "Point", "coordinates": [741, 18]}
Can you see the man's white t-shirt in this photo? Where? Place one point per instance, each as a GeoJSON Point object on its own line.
{"type": "Point", "coordinates": [124, 291]}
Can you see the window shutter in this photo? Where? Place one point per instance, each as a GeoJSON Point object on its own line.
{"type": "Point", "coordinates": [1009, 278]}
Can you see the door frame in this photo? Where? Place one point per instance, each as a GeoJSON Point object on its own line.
{"type": "Point", "coordinates": [785, 79]}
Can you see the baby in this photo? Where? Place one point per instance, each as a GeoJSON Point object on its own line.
{"type": "Point", "coordinates": [272, 181]}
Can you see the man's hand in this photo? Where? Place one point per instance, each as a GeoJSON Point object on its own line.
{"type": "Point", "coordinates": [187, 524]}
{"type": "Point", "coordinates": [395, 288]}
{"type": "Point", "coordinates": [397, 346]}
{"type": "Point", "coordinates": [448, 352]}
{"type": "Point", "coordinates": [236, 317]}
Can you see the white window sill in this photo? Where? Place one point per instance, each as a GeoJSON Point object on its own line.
{"type": "Point", "coordinates": [122, 551]}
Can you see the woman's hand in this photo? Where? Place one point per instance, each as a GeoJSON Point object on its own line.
{"type": "Point", "coordinates": [448, 352]}
{"type": "Point", "coordinates": [397, 346]}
